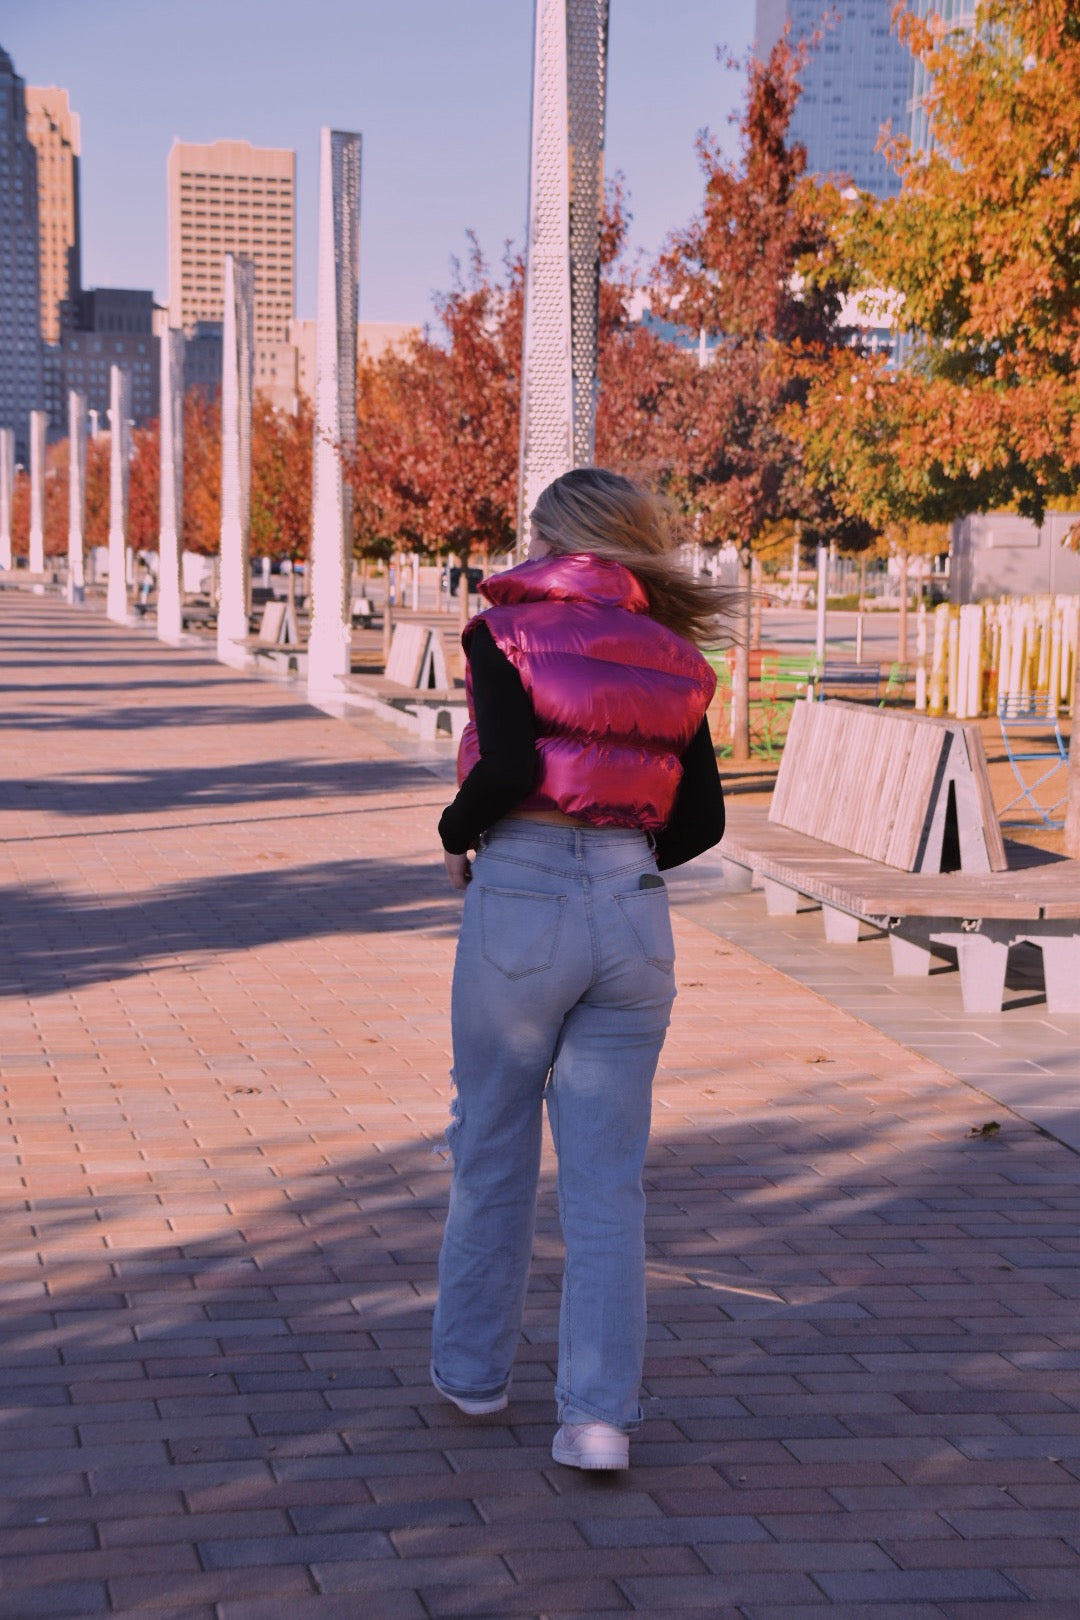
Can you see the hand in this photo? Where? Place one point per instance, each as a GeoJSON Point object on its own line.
{"type": "Point", "coordinates": [458, 869]}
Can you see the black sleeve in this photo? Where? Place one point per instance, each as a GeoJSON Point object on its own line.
{"type": "Point", "coordinates": [506, 733]}
{"type": "Point", "coordinates": [697, 821]}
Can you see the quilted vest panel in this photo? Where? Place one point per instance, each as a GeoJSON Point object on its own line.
{"type": "Point", "coordinates": [617, 696]}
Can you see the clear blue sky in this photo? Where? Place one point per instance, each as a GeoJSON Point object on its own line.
{"type": "Point", "coordinates": [438, 88]}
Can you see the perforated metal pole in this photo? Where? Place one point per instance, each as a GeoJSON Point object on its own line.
{"type": "Point", "coordinates": [329, 644]}
{"type": "Point", "coordinates": [76, 580]}
{"type": "Point", "coordinates": [170, 611]}
{"type": "Point", "coordinates": [562, 281]}
{"type": "Point", "coordinates": [116, 601]}
{"type": "Point", "coordinates": [237, 380]}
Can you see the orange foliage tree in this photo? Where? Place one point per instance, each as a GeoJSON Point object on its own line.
{"type": "Point", "coordinates": [755, 270]}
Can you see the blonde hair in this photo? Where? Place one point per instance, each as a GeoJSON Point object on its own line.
{"type": "Point", "coordinates": [608, 516]}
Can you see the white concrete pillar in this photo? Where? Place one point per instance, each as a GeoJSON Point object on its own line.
{"type": "Point", "coordinates": [77, 426]}
{"type": "Point", "coordinates": [329, 641]}
{"type": "Point", "coordinates": [563, 257]}
{"type": "Point", "coordinates": [237, 383]}
{"type": "Point", "coordinates": [822, 602]}
{"type": "Point", "coordinates": [7, 493]}
{"type": "Point", "coordinates": [116, 602]}
{"type": "Point", "coordinates": [39, 424]}
{"type": "Point", "coordinates": [170, 614]}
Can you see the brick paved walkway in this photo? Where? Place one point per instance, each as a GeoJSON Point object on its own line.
{"type": "Point", "coordinates": [224, 955]}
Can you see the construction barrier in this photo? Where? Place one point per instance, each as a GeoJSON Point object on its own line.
{"type": "Point", "coordinates": [968, 658]}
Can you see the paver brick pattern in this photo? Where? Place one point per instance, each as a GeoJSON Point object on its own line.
{"type": "Point", "coordinates": [225, 947]}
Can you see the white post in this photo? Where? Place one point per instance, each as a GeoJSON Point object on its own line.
{"type": "Point", "coordinates": [116, 602]}
{"type": "Point", "coordinates": [562, 263]}
{"type": "Point", "coordinates": [237, 380]}
{"type": "Point", "coordinates": [39, 423]}
{"type": "Point", "coordinates": [76, 580]}
{"type": "Point", "coordinates": [170, 612]}
{"type": "Point", "coordinates": [822, 600]}
{"type": "Point", "coordinates": [330, 636]}
{"type": "Point", "coordinates": [7, 493]}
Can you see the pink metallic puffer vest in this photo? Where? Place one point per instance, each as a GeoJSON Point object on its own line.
{"type": "Point", "coordinates": [617, 696]}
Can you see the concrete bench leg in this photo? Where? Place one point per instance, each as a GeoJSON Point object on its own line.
{"type": "Point", "coordinates": [780, 900]}
{"type": "Point", "coordinates": [739, 879]}
{"type": "Point", "coordinates": [841, 928]}
{"type": "Point", "coordinates": [982, 962]}
{"type": "Point", "coordinates": [909, 960]}
{"type": "Point", "coordinates": [428, 719]}
{"type": "Point", "coordinates": [1061, 970]}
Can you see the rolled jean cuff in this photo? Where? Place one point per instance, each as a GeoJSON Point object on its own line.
{"type": "Point", "coordinates": [490, 1394]}
{"type": "Point", "coordinates": [573, 1410]}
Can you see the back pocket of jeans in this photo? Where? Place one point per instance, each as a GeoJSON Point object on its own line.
{"type": "Point", "coordinates": [520, 930]}
{"type": "Point", "coordinates": [649, 917]}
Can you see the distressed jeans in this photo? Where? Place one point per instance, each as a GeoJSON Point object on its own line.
{"type": "Point", "coordinates": [563, 986]}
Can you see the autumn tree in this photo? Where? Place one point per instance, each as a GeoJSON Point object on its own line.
{"type": "Point", "coordinates": [980, 254]}
{"type": "Point", "coordinates": [281, 458]}
{"type": "Point", "coordinates": [435, 462]}
{"type": "Point", "coordinates": [202, 472]}
{"type": "Point", "coordinates": [756, 270]}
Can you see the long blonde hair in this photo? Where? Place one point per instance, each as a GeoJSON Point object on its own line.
{"type": "Point", "coordinates": [593, 510]}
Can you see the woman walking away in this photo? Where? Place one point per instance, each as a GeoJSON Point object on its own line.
{"type": "Point", "coordinates": [586, 767]}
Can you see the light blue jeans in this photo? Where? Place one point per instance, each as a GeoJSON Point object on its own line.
{"type": "Point", "coordinates": [563, 986]}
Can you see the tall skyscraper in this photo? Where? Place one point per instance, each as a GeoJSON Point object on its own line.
{"type": "Point", "coordinates": [232, 197]}
{"type": "Point", "coordinates": [857, 77]}
{"type": "Point", "coordinates": [959, 17]}
{"type": "Point", "coordinates": [20, 332]}
{"type": "Point", "coordinates": [113, 326]}
{"type": "Point", "coordinates": [54, 130]}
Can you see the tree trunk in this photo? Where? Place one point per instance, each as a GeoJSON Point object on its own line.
{"type": "Point", "coordinates": [902, 628]}
{"type": "Point", "coordinates": [740, 678]}
{"type": "Point", "coordinates": [756, 573]}
{"type": "Point", "coordinates": [463, 591]}
{"type": "Point", "coordinates": [1072, 806]}
{"type": "Point", "coordinates": [862, 582]}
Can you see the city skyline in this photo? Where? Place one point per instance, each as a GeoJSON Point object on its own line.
{"type": "Point", "coordinates": [446, 152]}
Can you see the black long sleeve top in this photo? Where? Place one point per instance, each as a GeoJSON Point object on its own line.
{"type": "Point", "coordinates": [506, 770]}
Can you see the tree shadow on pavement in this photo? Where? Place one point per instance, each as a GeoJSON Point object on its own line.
{"type": "Point", "coordinates": [137, 716]}
{"type": "Point", "coordinates": [52, 941]}
{"type": "Point", "coordinates": [160, 790]}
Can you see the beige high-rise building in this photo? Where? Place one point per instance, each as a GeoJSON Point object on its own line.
{"type": "Point", "coordinates": [54, 130]}
{"type": "Point", "coordinates": [232, 197]}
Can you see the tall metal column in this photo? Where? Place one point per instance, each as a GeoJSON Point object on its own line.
{"type": "Point", "coordinates": [76, 580]}
{"type": "Point", "coordinates": [116, 601]}
{"type": "Point", "coordinates": [39, 424]}
{"type": "Point", "coordinates": [7, 493]}
{"type": "Point", "coordinates": [335, 409]}
{"type": "Point", "coordinates": [170, 616]}
{"type": "Point", "coordinates": [237, 385]}
{"type": "Point", "coordinates": [562, 283]}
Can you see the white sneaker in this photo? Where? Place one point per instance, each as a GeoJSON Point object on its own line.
{"type": "Point", "coordinates": [496, 1403]}
{"type": "Point", "coordinates": [474, 1408]}
{"type": "Point", "coordinates": [591, 1445]}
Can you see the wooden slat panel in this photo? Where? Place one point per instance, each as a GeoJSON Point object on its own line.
{"type": "Point", "coordinates": [995, 844]}
{"type": "Point", "coordinates": [858, 778]}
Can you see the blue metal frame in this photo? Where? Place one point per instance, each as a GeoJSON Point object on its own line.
{"type": "Point", "coordinates": [1026, 717]}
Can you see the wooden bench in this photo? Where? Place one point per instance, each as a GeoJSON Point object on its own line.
{"type": "Point", "coordinates": [887, 819]}
{"type": "Point", "coordinates": [277, 639]}
{"type": "Point", "coordinates": [419, 685]}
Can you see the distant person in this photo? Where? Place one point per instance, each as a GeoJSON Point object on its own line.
{"type": "Point", "coordinates": [587, 768]}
